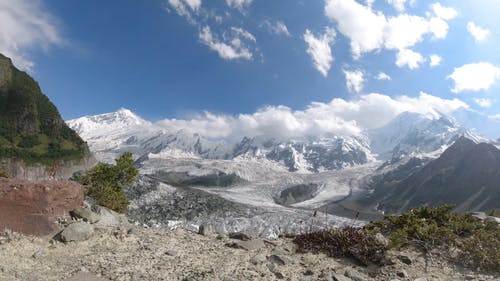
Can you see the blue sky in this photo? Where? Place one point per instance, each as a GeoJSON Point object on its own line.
{"type": "Point", "coordinates": [200, 59]}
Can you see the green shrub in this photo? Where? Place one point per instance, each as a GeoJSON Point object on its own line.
{"type": "Point", "coordinates": [105, 182]}
{"type": "Point", "coordinates": [426, 228]}
{"type": "Point", "coordinates": [4, 174]}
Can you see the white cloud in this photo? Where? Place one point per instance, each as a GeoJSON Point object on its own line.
{"type": "Point", "coordinates": [435, 60]}
{"type": "Point", "coordinates": [239, 4]}
{"type": "Point", "coordinates": [233, 47]}
{"type": "Point", "coordinates": [25, 25]}
{"type": "Point", "coordinates": [398, 4]}
{"type": "Point", "coordinates": [409, 58]}
{"type": "Point", "coordinates": [319, 49]}
{"type": "Point", "coordinates": [474, 77]}
{"type": "Point", "coordinates": [445, 13]}
{"type": "Point", "coordinates": [383, 76]}
{"type": "Point", "coordinates": [354, 80]}
{"type": "Point", "coordinates": [342, 117]}
{"type": "Point", "coordinates": [279, 28]}
{"type": "Point", "coordinates": [185, 8]}
{"type": "Point", "coordinates": [370, 30]}
{"type": "Point", "coordinates": [479, 34]}
{"type": "Point", "coordinates": [482, 102]}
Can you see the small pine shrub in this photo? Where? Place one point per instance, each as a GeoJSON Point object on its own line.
{"type": "Point", "coordinates": [105, 182]}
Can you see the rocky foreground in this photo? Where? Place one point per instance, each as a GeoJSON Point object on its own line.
{"type": "Point", "coordinates": [126, 252]}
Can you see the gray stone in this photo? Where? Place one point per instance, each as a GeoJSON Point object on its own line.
{"type": "Point", "coordinates": [402, 274]}
{"type": "Point", "coordinates": [85, 214]}
{"type": "Point", "coordinates": [354, 275]}
{"type": "Point", "coordinates": [78, 231]}
{"type": "Point", "coordinates": [405, 259]}
{"type": "Point", "coordinates": [239, 236]}
{"type": "Point", "coordinates": [381, 240]}
{"type": "Point", "coordinates": [258, 259]}
{"type": "Point", "coordinates": [39, 254]}
{"type": "Point", "coordinates": [171, 253]}
{"type": "Point", "coordinates": [279, 260]}
{"type": "Point", "coordinates": [206, 229]}
{"type": "Point", "coordinates": [250, 245]}
{"type": "Point", "coordinates": [109, 217]}
{"type": "Point", "coordinates": [338, 277]}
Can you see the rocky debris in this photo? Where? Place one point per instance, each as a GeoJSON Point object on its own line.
{"type": "Point", "coordinates": [32, 207]}
{"type": "Point", "coordinates": [258, 259]}
{"type": "Point", "coordinates": [279, 259]}
{"type": "Point", "coordinates": [109, 218]}
{"type": "Point", "coordinates": [85, 214]}
{"type": "Point", "coordinates": [338, 277]}
{"type": "Point", "coordinates": [84, 276]}
{"type": "Point", "coordinates": [249, 245]}
{"type": "Point", "coordinates": [206, 229]}
{"type": "Point", "coordinates": [402, 274]}
{"type": "Point", "coordinates": [239, 236]}
{"type": "Point", "coordinates": [405, 259]}
{"type": "Point", "coordinates": [159, 254]}
{"type": "Point", "coordinates": [78, 231]}
{"type": "Point", "coordinates": [354, 275]}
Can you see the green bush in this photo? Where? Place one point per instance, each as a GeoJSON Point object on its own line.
{"type": "Point", "coordinates": [4, 174]}
{"type": "Point", "coordinates": [105, 182]}
{"type": "Point", "coordinates": [427, 228]}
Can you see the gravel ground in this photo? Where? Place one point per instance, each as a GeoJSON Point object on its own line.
{"type": "Point", "coordinates": [158, 254]}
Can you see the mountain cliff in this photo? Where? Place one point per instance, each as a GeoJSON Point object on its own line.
{"type": "Point", "coordinates": [31, 128]}
{"type": "Point", "coordinates": [467, 175]}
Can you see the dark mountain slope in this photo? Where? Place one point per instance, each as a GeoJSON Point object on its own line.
{"type": "Point", "coordinates": [466, 175]}
{"type": "Point", "coordinates": [31, 127]}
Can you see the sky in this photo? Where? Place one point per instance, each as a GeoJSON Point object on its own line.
{"type": "Point", "coordinates": [296, 66]}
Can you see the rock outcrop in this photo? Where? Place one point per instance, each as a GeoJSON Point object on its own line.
{"type": "Point", "coordinates": [33, 208]}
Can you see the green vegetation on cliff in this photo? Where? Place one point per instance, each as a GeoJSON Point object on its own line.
{"type": "Point", "coordinates": [105, 182]}
{"type": "Point", "coordinates": [31, 127]}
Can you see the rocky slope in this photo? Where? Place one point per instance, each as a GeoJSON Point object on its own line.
{"type": "Point", "coordinates": [133, 253]}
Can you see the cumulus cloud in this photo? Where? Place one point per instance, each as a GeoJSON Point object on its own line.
{"type": "Point", "coordinates": [279, 28]}
{"type": "Point", "coordinates": [319, 49]}
{"type": "Point", "coordinates": [485, 103]}
{"type": "Point", "coordinates": [239, 4]}
{"type": "Point", "coordinates": [474, 77]}
{"type": "Point", "coordinates": [26, 25]}
{"type": "Point", "coordinates": [383, 76]}
{"type": "Point", "coordinates": [435, 60]}
{"type": "Point", "coordinates": [398, 4]}
{"type": "Point", "coordinates": [185, 8]}
{"type": "Point", "coordinates": [230, 47]}
{"type": "Point", "coordinates": [407, 57]}
{"type": "Point", "coordinates": [354, 80]}
{"type": "Point", "coordinates": [339, 117]}
{"type": "Point", "coordinates": [480, 34]}
{"type": "Point", "coordinates": [369, 30]}
{"type": "Point", "coordinates": [445, 13]}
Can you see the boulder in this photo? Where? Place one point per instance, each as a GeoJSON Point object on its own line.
{"type": "Point", "coordinates": [33, 207]}
{"type": "Point", "coordinates": [239, 236]}
{"type": "Point", "coordinates": [250, 245]}
{"type": "Point", "coordinates": [85, 214]}
{"type": "Point", "coordinates": [206, 229]}
{"type": "Point", "coordinates": [109, 217]}
{"type": "Point", "coordinates": [78, 231]}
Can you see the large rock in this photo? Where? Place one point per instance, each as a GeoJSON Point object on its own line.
{"type": "Point", "coordinates": [32, 208]}
{"type": "Point", "coordinates": [85, 214]}
{"type": "Point", "coordinates": [109, 217]}
{"type": "Point", "coordinates": [78, 231]}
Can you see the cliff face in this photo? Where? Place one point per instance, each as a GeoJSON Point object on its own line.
{"type": "Point", "coordinates": [32, 131]}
